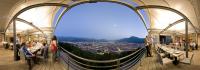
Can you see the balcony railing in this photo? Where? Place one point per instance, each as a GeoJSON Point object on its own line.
{"type": "Point", "coordinates": [124, 63]}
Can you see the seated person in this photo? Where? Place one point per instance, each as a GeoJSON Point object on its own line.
{"type": "Point", "coordinates": [44, 50]}
{"type": "Point", "coordinates": [193, 45]}
{"type": "Point", "coordinates": [27, 53]}
{"type": "Point", "coordinates": [29, 45]}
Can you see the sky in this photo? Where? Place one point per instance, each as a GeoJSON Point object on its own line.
{"type": "Point", "coordinates": [100, 20]}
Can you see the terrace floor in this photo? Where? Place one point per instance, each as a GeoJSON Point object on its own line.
{"type": "Point", "coordinates": [151, 63]}
{"type": "Point", "coordinates": [148, 63]}
{"type": "Point", "coordinates": [7, 62]}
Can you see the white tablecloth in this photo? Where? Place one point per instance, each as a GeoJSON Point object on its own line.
{"type": "Point", "coordinates": [172, 51]}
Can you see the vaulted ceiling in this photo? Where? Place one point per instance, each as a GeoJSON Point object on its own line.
{"type": "Point", "coordinates": [159, 19]}
{"type": "Point", "coordinates": [6, 7]}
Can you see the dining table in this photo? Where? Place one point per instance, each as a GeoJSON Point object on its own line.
{"type": "Point", "coordinates": [173, 52]}
{"type": "Point", "coordinates": [35, 49]}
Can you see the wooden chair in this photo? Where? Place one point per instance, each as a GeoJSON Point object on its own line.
{"type": "Point", "coordinates": [44, 55]}
{"type": "Point", "coordinates": [162, 59]}
{"type": "Point", "coordinates": [24, 57]}
{"type": "Point", "coordinates": [187, 60]}
{"type": "Point", "coordinates": [158, 52]}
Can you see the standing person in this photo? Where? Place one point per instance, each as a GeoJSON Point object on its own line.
{"type": "Point", "coordinates": [179, 45]}
{"type": "Point", "coordinates": [151, 44]}
{"type": "Point", "coordinates": [196, 46]}
{"type": "Point", "coordinates": [184, 45]}
{"type": "Point", "coordinates": [45, 51]}
{"type": "Point", "coordinates": [53, 47]}
{"type": "Point", "coordinates": [150, 41]}
{"type": "Point", "coordinates": [18, 46]}
{"type": "Point", "coordinates": [147, 45]}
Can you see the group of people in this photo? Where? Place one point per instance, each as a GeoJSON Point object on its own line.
{"type": "Point", "coordinates": [31, 49]}
{"type": "Point", "coordinates": [27, 47]}
{"type": "Point", "coordinates": [191, 45]}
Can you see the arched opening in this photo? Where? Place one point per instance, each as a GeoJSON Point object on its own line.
{"type": "Point", "coordinates": [98, 15]}
{"type": "Point", "coordinates": [43, 5]}
{"type": "Point", "coordinates": [101, 24]}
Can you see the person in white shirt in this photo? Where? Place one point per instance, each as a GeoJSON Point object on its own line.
{"type": "Point", "coordinates": [177, 45]}
{"type": "Point", "coordinates": [193, 45]}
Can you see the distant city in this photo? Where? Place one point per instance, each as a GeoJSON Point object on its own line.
{"type": "Point", "coordinates": [101, 46]}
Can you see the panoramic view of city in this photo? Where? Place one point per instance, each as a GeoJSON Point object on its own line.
{"type": "Point", "coordinates": [99, 34]}
{"type": "Point", "coordinates": [101, 30]}
{"type": "Point", "coordinates": [106, 47]}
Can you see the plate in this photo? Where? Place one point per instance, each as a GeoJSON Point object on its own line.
{"type": "Point", "coordinates": [177, 52]}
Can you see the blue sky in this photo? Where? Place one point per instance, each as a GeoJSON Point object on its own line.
{"type": "Point", "coordinates": [101, 21]}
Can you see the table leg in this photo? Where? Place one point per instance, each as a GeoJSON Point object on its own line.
{"type": "Point", "coordinates": [176, 61]}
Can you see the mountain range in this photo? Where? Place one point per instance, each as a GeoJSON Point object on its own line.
{"type": "Point", "coordinates": [131, 39]}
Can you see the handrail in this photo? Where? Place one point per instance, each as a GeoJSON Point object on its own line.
{"type": "Point", "coordinates": [100, 66]}
{"type": "Point", "coordinates": [124, 65]}
{"type": "Point", "coordinates": [134, 61]}
{"type": "Point", "coordinates": [98, 61]}
{"type": "Point", "coordinates": [76, 65]}
{"type": "Point", "coordinates": [90, 65]}
{"type": "Point", "coordinates": [71, 63]}
{"type": "Point", "coordinates": [130, 59]}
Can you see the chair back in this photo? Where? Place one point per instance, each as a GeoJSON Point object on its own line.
{"type": "Point", "coordinates": [159, 56]}
{"type": "Point", "coordinates": [22, 55]}
{"type": "Point", "coordinates": [191, 58]}
{"type": "Point", "coordinates": [45, 52]}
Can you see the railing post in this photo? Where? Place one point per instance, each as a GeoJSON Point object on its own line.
{"type": "Point", "coordinates": [4, 37]}
{"type": "Point", "coordinates": [142, 58]}
{"type": "Point", "coordinates": [67, 62]}
{"type": "Point", "coordinates": [186, 38]}
{"type": "Point", "coordinates": [141, 61]}
{"type": "Point", "coordinates": [118, 64]}
{"type": "Point", "coordinates": [196, 41]}
{"type": "Point", "coordinates": [14, 41]}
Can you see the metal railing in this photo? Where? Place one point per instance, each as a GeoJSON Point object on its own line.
{"type": "Point", "coordinates": [124, 63]}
